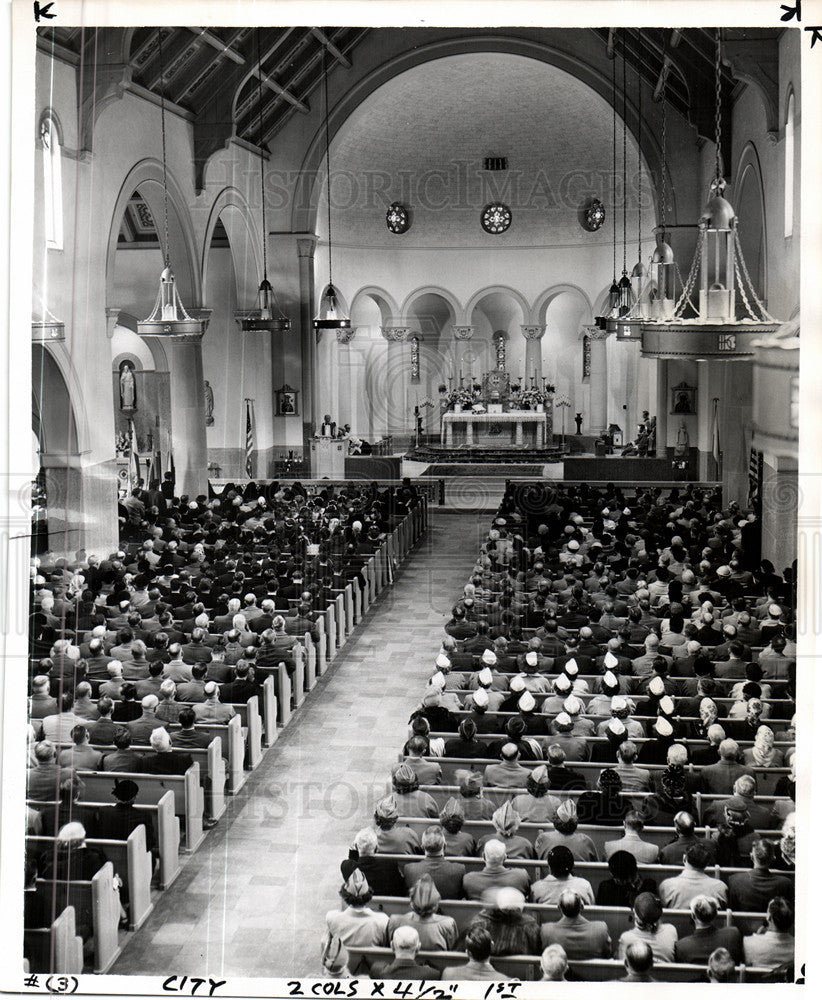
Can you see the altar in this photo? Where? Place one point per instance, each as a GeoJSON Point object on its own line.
{"type": "Point", "coordinates": [509, 429]}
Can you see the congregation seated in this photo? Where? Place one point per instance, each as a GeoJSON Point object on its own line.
{"type": "Point", "coordinates": [601, 669]}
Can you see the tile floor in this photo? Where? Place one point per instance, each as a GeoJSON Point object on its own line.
{"type": "Point", "coordinates": [252, 900]}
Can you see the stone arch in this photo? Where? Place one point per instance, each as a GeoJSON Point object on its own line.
{"type": "Point", "coordinates": [231, 206]}
{"type": "Point", "coordinates": [449, 297]}
{"type": "Point", "coordinates": [147, 177]}
{"type": "Point", "coordinates": [304, 211]}
{"type": "Point", "coordinates": [518, 297]}
{"type": "Point", "coordinates": [127, 356]}
{"type": "Point", "coordinates": [49, 114]}
{"type": "Point", "coordinates": [749, 188]}
{"type": "Point", "coordinates": [60, 430]}
{"type": "Point", "coordinates": [385, 302]}
{"type": "Point", "coordinates": [545, 299]}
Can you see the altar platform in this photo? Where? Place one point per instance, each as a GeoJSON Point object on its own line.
{"type": "Point", "coordinates": [511, 429]}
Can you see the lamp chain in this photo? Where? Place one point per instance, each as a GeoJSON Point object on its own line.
{"type": "Point", "coordinates": [166, 257]}
{"type": "Point", "coordinates": [327, 162]}
{"type": "Point", "coordinates": [624, 159]}
{"type": "Point", "coordinates": [262, 161]}
{"type": "Point", "coordinates": [613, 173]}
{"type": "Point", "coordinates": [664, 198]}
{"type": "Point", "coordinates": [639, 148]}
{"type": "Point", "coordinates": [718, 120]}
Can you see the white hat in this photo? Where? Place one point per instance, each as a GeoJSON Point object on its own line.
{"type": "Point", "coordinates": [610, 679]}
{"type": "Point", "coordinates": [616, 726]}
{"type": "Point", "coordinates": [532, 658]}
{"type": "Point", "coordinates": [562, 683]}
{"type": "Point", "coordinates": [526, 702]}
{"type": "Point", "coordinates": [656, 687]}
{"type": "Point", "coordinates": [517, 684]}
{"type": "Point", "coordinates": [438, 680]}
{"type": "Point", "coordinates": [618, 704]}
{"type": "Point", "coordinates": [606, 510]}
{"type": "Point", "coordinates": [571, 667]}
{"type": "Point", "coordinates": [774, 610]}
{"type": "Point", "coordinates": [563, 719]}
{"type": "Point", "coordinates": [573, 545]}
{"type": "Point", "coordinates": [610, 660]}
{"type": "Point", "coordinates": [572, 705]}
{"type": "Point", "coordinates": [443, 661]}
{"type": "Point", "coordinates": [666, 705]}
{"type": "Point", "coordinates": [663, 727]}
{"type": "Point", "coordinates": [485, 677]}
{"type": "Point", "coordinates": [489, 657]}
{"type": "Point", "coordinates": [481, 698]}
{"type": "Point", "coordinates": [626, 510]}
{"type": "Point", "coordinates": [723, 571]}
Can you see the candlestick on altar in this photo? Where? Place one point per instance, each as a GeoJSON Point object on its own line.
{"type": "Point", "coordinates": [533, 381]}
{"type": "Point", "coordinates": [450, 380]}
{"type": "Point", "coordinates": [461, 378]}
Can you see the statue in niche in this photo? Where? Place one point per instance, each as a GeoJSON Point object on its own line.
{"type": "Point", "coordinates": [128, 387]}
{"type": "Point", "coordinates": [683, 441]}
{"type": "Point", "coordinates": [578, 419]}
{"type": "Point", "coordinates": [208, 393]}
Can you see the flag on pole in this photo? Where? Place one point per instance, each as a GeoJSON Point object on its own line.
{"type": "Point", "coordinates": [715, 449]}
{"type": "Point", "coordinates": [249, 437]}
{"type": "Point", "coordinates": [134, 458]}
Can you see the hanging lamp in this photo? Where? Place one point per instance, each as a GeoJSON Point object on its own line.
{"type": "Point", "coordinates": [718, 272]}
{"type": "Point", "coordinates": [613, 292]}
{"type": "Point", "coordinates": [333, 311]}
{"type": "Point", "coordinates": [266, 316]}
{"type": "Point", "coordinates": [663, 262]}
{"type": "Point", "coordinates": [169, 317]}
{"type": "Point", "coordinates": [624, 289]}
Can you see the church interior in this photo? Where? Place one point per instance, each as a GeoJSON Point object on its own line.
{"type": "Point", "coordinates": [365, 361]}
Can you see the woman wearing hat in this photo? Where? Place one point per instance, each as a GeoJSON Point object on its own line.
{"type": "Point", "coordinates": [625, 883]}
{"type": "Point", "coordinates": [357, 924]}
{"type": "Point", "coordinates": [437, 932]}
{"type": "Point", "coordinates": [671, 797]}
{"type": "Point", "coordinates": [410, 800]}
{"type": "Point", "coordinates": [512, 930]}
{"type": "Point", "coordinates": [473, 804]}
{"type": "Point", "coordinates": [649, 927]}
{"type": "Point", "coordinates": [535, 805]}
{"type": "Point", "coordinates": [506, 821]}
{"type": "Point", "coordinates": [605, 806]}
{"type": "Point", "coordinates": [459, 843]}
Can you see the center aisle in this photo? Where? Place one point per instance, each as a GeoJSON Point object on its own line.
{"type": "Point", "coordinates": [252, 900]}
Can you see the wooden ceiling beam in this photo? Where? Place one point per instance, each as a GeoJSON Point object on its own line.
{"type": "Point", "coordinates": [218, 46]}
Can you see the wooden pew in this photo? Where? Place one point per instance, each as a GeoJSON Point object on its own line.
{"type": "Point", "coordinates": [55, 949]}
{"type": "Point", "coordinates": [595, 872]}
{"type": "Point", "coordinates": [101, 898]}
{"type": "Point", "coordinates": [269, 713]}
{"type": "Point", "coordinates": [766, 777]}
{"type": "Point", "coordinates": [441, 793]}
{"type": "Point", "coordinates": [310, 663]}
{"type": "Point", "coordinates": [600, 835]}
{"type": "Point", "coordinates": [188, 795]}
{"type": "Point", "coordinates": [130, 860]}
{"type": "Point", "coordinates": [618, 918]}
{"type": "Point", "coordinates": [527, 968]}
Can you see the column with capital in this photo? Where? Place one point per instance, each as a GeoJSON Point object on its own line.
{"type": "Point", "coordinates": [462, 346]}
{"type": "Point", "coordinates": [598, 420]}
{"type": "Point", "coordinates": [533, 355]}
{"type": "Point", "coordinates": [311, 404]}
{"type": "Point", "coordinates": [395, 379]}
{"type": "Point", "coordinates": [188, 426]}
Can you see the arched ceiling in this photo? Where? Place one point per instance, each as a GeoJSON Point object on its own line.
{"type": "Point", "coordinates": [422, 137]}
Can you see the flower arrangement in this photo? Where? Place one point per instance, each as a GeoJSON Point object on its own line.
{"type": "Point", "coordinates": [536, 397]}
{"type": "Point", "coordinates": [455, 397]}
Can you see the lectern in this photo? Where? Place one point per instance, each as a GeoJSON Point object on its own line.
{"type": "Point", "coordinates": [328, 457]}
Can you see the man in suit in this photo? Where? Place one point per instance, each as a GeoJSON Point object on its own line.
{"type": "Point", "coordinates": [187, 737]}
{"type": "Point", "coordinates": [634, 779]}
{"type": "Point", "coordinates": [581, 938]}
{"type": "Point", "coordinates": [212, 710]}
{"type": "Point", "coordinates": [639, 961]}
{"type": "Point", "coordinates": [509, 773]}
{"type": "Point", "coordinates": [776, 945]}
{"type": "Point", "coordinates": [494, 875]}
{"type": "Point", "coordinates": [41, 702]}
{"type": "Point", "coordinates": [197, 651]}
{"type": "Point", "coordinates": [80, 756]}
{"type": "Point", "coordinates": [102, 731]}
{"type": "Point", "coordinates": [142, 728]}
{"type": "Point", "coordinates": [382, 874]}
{"type": "Point", "coordinates": [697, 948]}
{"type": "Point", "coordinates": [561, 777]}
{"type": "Point", "coordinates": [163, 760]}
{"type": "Point", "coordinates": [676, 893]}
{"type": "Point", "coordinates": [719, 778]}
{"type": "Point", "coordinates": [45, 777]}
{"type": "Point", "coordinates": [405, 944]}
{"type": "Point", "coordinates": [427, 772]}
{"type": "Point", "coordinates": [151, 684]}
{"type": "Point", "coordinates": [645, 853]}
{"type": "Point", "coordinates": [674, 853]}
{"type": "Point", "coordinates": [446, 875]}
{"type": "Point", "coordinates": [478, 946]}
{"type": "Point", "coordinates": [761, 817]}
{"type": "Point", "coordinates": [194, 690]}
{"type": "Point", "coordinates": [242, 687]}
{"type": "Point", "coordinates": [123, 758]}
{"type": "Point", "coordinates": [57, 728]}
{"type": "Point", "coordinates": [752, 890]}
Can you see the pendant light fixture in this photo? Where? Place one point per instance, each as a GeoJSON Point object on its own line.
{"type": "Point", "coordinates": [266, 317]}
{"type": "Point", "coordinates": [717, 273]}
{"type": "Point", "coordinates": [333, 311]}
{"type": "Point", "coordinates": [663, 263]}
{"type": "Point", "coordinates": [624, 290]}
{"type": "Point", "coordinates": [613, 292]}
{"type": "Point", "coordinates": [169, 317]}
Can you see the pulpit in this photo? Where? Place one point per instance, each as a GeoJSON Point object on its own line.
{"type": "Point", "coordinates": [328, 457]}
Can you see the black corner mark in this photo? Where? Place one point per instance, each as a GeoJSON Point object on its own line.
{"type": "Point", "coordinates": [816, 35]}
{"type": "Point", "coordinates": [792, 12]}
{"type": "Point", "coordinates": [43, 11]}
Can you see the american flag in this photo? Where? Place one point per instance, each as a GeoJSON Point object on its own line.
{"type": "Point", "coordinates": [754, 477]}
{"type": "Point", "coordinates": [249, 437]}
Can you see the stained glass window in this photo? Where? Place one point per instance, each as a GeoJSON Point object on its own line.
{"type": "Point", "coordinates": [397, 219]}
{"type": "Point", "coordinates": [495, 218]}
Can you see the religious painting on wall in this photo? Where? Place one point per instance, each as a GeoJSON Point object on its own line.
{"type": "Point", "coordinates": [287, 401]}
{"type": "Point", "coordinates": [683, 398]}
